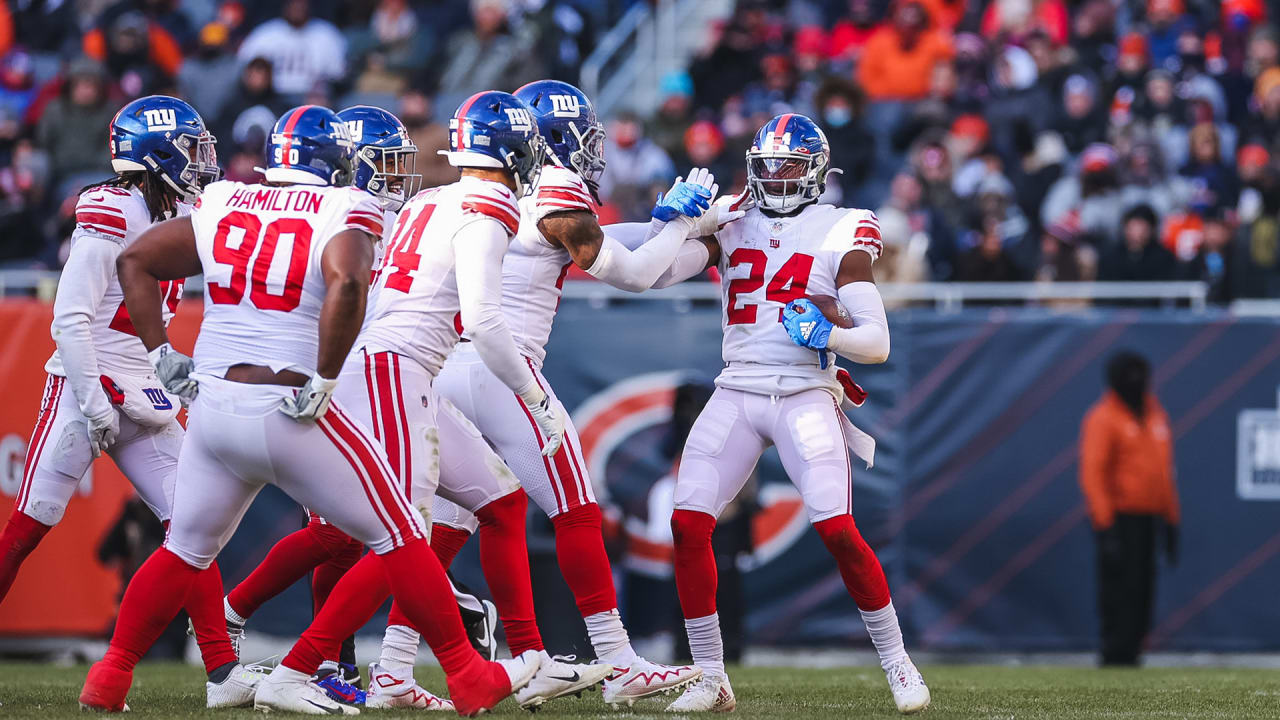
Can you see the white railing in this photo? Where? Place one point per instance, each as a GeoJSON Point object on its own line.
{"type": "Point", "coordinates": [947, 297]}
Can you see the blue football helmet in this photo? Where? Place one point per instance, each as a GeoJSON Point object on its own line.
{"type": "Point", "coordinates": [787, 163]}
{"type": "Point", "coordinates": [309, 145]}
{"type": "Point", "coordinates": [165, 136]}
{"type": "Point", "coordinates": [568, 124]}
{"type": "Point", "coordinates": [495, 130]}
{"type": "Point", "coordinates": [385, 156]}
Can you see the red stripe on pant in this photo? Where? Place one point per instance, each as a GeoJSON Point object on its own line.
{"type": "Point", "coordinates": [329, 428]}
{"type": "Point", "coordinates": [48, 411]}
{"type": "Point", "coordinates": [561, 505]}
{"type": "Point", "coordinates": [385, 483]}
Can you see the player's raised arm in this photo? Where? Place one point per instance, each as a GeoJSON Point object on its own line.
{"type": "Point", "coordinates": [609, 260]}
{"type": "Point", "coordinates": [166, 251]}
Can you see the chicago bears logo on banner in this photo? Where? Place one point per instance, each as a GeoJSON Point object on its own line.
{"type": "Point", "coordinates": [626, 415]}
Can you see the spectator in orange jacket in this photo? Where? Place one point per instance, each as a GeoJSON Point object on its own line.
{"type": "Point", "coordinates": [897, 61]}
{"type": "Point", "coordinates": [1126, 473]}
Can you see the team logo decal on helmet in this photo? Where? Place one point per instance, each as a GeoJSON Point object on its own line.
{"type": "Point", "coordinates": [386, 159]}
{"type": "Point", "coordinates": [787, 163]}
{"type": "Point", "coordinates": [312, 146]}
{"type": "Point", "coordinates": [568, 123]}
{"type": "Point", "coordinates": [496, 130]}
{"type": "Point", "coordinates": [167, 137]}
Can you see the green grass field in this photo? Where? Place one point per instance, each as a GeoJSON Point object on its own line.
{"type": "Point", "coordinates": [177, 691]}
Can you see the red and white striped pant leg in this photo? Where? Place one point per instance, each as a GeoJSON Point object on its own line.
{"type": "Point", "coordinates": [58, 455]}
{"type": "Point", "coordinates": [557, 484]}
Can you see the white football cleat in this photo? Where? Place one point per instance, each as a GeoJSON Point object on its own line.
{"type": "Point", "coordinates": [910, 693]}
{"type": "Point", "coordinates": [557, 678]}
{"type": "Point", "coordinates": [237, 690]}
{"type": "Point", "coordinates": [280, 691]}
{"type": "Point", "coordinates": [645, 679]}
{"type": "Point", "coordinates": [388, 691]}
{"type": "Point", "coordinates": [710, 694]}
{"type": "Point", "coordinates": [521, 668]}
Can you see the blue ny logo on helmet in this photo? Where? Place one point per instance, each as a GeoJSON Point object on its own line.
{"type": "Point", "coordinates": [309, 145]}
{"type": "Point", "coordinates": [787, 163]}
{"type": "Point", "coordinates": [495, 130]}
{"type": "Point", "coordinates": [568, 123]}
{"type": "Point", "coordinates": [386, 159]}
{"type": "Point", "coordinates": [164, 136]}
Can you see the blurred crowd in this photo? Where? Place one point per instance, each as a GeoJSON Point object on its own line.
{"type": "Point", "coordinates": [998, 140]}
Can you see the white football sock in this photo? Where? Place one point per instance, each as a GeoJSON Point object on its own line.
{"type": "Point", "coordinates": [609, 638]}
{"type": "Point", "coordinates": [399, 651]}
{"type": "Point", "coordinates": [327, 666]}
{"type": "Point", "coordinates": [283, 675]}
{"type": "Point", "coordinates": [231, 614]}
{"type": "Point", "coordinates": [706, 645]}
{"type": "Point", "coordinates": [882, 626]}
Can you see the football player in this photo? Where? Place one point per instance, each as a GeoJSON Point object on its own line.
{"type": "Point", "coordinates": [558, 229]}
{"type": "Point", "coordinates": [385, 165]}
{"type": "Point", "coordinates": [102, 395]}
{"type": "Point", "coordinates": [286, 266]}
{"type": "Point", "coordinates": [779, 388]}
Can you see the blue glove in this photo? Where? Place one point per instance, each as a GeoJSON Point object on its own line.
{"type": "Point", "coordinates": [807, 326]}
{"type": "Point", "coordinates": [685, 199]}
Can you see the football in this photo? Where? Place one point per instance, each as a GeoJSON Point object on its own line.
{"type": "Point", "coordinates": [833, 309]}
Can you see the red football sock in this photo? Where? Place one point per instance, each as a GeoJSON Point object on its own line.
{"type": "Point", "coordinates": [859, 566]}
{"type": "Point", "coordinates": [285, 564]}
{"type": "Point", "coordinates": [447, 542]}
{"type": "Point", "coordinates": [204, 606]}
{"type": "Point", "coordinates": [354, 599]}
{"type": "Point", "coordinates": [327, 573]}
{"type": "Point", "coordinates": [695, 562]}
{"type": "Point", "coordinates": [21, 535]}
{"type": "Point", "coordinates": [154, 596]}
{"type": "Point", "coordinates": [504, 557]}
{"type": "Point", "coordinates": [583, 560]}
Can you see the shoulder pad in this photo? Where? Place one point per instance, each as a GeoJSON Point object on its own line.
{"type": "Point", "coordinates": [495, 201]}
{"type": "Point", "coordinates": [365, 213]}
{"type": "Point", "coordinates": [857, 229]}
{"type": "Point", "coordinates": [561, 189]}
{"type": "Point", "coordinates": [106, 212]}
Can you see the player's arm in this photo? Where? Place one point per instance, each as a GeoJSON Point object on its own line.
{"type": "Point", "coordinates": [165, 251]}
{"type": "Point", "coordinates": [345, 264]}
{"type": "Point", "coordinates": [84, 282]}
{"type": "Point", "coordinates": [868, 340]}
{"type": "Point", "coordinates": [695, 256]}
{"type": "Point", "coordinates": [607, 259]}
{"type": "Point", "coordinates": [478, 248]}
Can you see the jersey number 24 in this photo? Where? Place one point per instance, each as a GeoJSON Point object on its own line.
{"type": "Point", "coordinates": [789, 283]}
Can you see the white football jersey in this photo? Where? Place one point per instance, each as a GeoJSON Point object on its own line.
{"type": "Point", "coordinates": [533, 269]}
{"type": "Point", "coordinates": [766, 262]}
{"type": "Point", "coordinates": [118, 215]}
{"type": "Point", "coordinates": [260, 247]}
{"type": "Point", "coordinates": [415, 310]}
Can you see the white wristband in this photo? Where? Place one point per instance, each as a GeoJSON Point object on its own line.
{"type": "Point", "coordinates": [158, 353]}
{"type": "Point", "coordinates": [323, 384]}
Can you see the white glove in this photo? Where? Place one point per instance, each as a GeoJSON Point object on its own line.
{"type": "Point", "coordinates": [174, 372]}
{"type": "Point", "coordinates": [312, 400]}
{"type": "Point", "coordinates": [549, 420]}
{"type": "Point", "coordinates": [103, 430]}
{"type": "Point", "coordinates": [722, 212]}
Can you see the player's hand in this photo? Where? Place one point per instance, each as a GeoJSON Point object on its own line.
{"type": "Point", "coordinates": [685, 199]}
{"type": "Point", "coordinates": [174, 371]}
{"type": "Point", "coordinates": [312, 400]}
{"type": "Point", "coordinates": [806, 324]}
{"type": "Point", "coordinates": [548, 418]}
{"type": "Point", "coordinates": [723, 211]}
{"type": "Point", "coordinates": [103, 430]}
